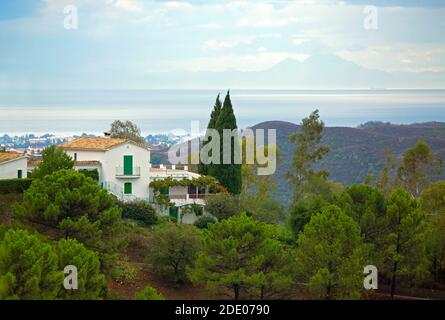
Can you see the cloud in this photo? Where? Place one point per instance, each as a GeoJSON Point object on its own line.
{"type": "Point", "coordinates": [176, 5]}
{"type": "Point", "coordinates": [128, 5]}
{"type": "Point", "coordinates": [214, 44]}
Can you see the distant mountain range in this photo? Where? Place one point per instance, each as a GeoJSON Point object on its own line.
{"type": "Point", "coordinates": [318, 71]}
{"type": "Point", "coordinates": [356, 152]}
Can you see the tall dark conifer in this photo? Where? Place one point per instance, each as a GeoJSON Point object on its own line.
{"type": "Point", "coordinates": [229, 175]}
{"type": "Point", "coordinates": [204, 168]}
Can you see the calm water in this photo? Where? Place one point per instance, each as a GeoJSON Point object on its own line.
{"type": "Point", "coordinates": [74, 112]}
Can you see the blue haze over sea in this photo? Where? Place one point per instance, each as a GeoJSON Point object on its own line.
{"type": "Point", "coordinates": [155, 111]}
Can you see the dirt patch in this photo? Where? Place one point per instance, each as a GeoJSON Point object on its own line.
{"type": "Point", "coordinates": [145, 277]}
{"type": "Point", "coordinates": [6, 202]}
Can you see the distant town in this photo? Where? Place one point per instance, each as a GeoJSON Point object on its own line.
{"type": "Point", "coordinates": [33, 145]}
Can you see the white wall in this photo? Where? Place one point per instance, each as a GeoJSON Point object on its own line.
{"type": "Point", "coordinates": [141, 158]}
{"type": "Point", "coordinates": [9, 169]}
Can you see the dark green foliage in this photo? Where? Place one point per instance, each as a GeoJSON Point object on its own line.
{"type": "Point", "coordinates": [149, 293]}
{"type": "Point", "coordinates": [14, 185]}
{"type": "Point", "coordinates": [204, 221]}
{"type": "Point", "coordinates": [204, 168]}
{"type": "Point", "coordinates": [74, 203]}
{"type": "Point", "coordinates": [331, 255]}
{"type": "Point", "coordinates": [302, 211]}
{"type": "Point", "coordinates": [28, 267]}
{"type": "Point", "coordinates": [228, 175]}
{"type": "Point", "coordinates": [243, 258]}
{"type": "Point", "coordinates": [222, 205]}
{"type": "Point", "coordinates": [91, 283]}
{"type": "Point", "coordinates": [54, 159]}
{"type": "Point", "coordinates": [265, 209]}
{"type": "Point", "coordinates": [404, 243]}
{"type": "Point", "coordinates": [173, 248]}
{"type": "Point", "coordinates": [367, 206]}
{"type": "Point", "coordinates": [139, 210]}
{"type": "Point", "coordinates": [93, 174]}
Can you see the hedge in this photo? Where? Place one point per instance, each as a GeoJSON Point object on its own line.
{"type": "Point", "coordinates": [94, 174]}
{"type": "Point", "coordinates": [139, 210]}
{"type": "Point", "coordinates": [14, 185]}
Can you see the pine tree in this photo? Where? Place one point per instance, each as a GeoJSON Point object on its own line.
{"type": "Point", "coordinates": [228, 175]}
{"type": "Point", "coordinates": [331, 255]}
{"type": "Point", "coordinates": [28, 267]}
{"type": "Point", "coordinates": [244, 258]}
{"type": "Point", "coordinates": [404, 245]}
{"type": "Point", "coordinates": [204, 168]}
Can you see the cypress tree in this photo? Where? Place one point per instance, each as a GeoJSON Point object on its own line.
{"type": "Point", "coordinates": [204, 168]}
{"type": "Point", "coordinates": [228, 175]}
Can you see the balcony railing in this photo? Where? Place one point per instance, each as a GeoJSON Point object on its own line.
{"type": "Point", "coordinates": [134, 172]}
{"type": "Point", "coordinates": [189, 196]}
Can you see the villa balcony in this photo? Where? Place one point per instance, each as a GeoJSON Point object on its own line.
{"type": "Point", "coordinates": [130, 172]}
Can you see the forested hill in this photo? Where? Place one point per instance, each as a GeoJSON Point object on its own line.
{"type": "Point", "coordinates": [356, 152]}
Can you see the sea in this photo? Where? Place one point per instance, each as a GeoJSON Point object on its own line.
{"type": "Point", "coordinates": [73, 112]}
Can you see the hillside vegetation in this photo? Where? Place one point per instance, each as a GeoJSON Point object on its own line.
{"type": "Point", "coordinates": [356, 152]}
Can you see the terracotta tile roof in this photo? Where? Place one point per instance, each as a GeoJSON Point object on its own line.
{"type": "Point", "coordinates": [7, 156]}
{"type": "Point", "coordinates": [101, 144]}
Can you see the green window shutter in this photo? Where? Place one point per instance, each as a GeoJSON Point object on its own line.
{"type": "Point", "coordinates": [128, 165]}
{"type": "Point", "coordinates": [128, 188]}
{"type": "Point", "coordinates": [173, 212]}
{"type": "Point", "coordinates": [164, 191]}
{"type": "Point", "coordinates": [19, 174]}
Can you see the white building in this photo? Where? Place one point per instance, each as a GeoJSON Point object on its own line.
{"type": "Point", "coordinates": [125, 171]}
{"type": "Point", "coordinates": [13, 165]}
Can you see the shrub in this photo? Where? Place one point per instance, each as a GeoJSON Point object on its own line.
{"type": "Point", "coordinates": [123, 272]}
{"type": "Point", "coordinates": [204, 221]}
{"type": "Point", "coordinates": [14, 185]}
{"type": "Point", "coordinates": [172, 249]}
{"type": "Point", "coordinates": [139, 210]}
{"type": "Point", "coordinates": [222, 205]}
{"type": "Point", "coordinates": [149, 293]}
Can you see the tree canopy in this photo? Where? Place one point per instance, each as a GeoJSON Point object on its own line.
{"type": "Point", "coordinates": [126, 130]}
{"type": "Point", "coordinates": [54, 159]}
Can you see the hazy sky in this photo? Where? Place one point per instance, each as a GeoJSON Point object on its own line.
{"type": "Point", "coordinates": [134, 37]}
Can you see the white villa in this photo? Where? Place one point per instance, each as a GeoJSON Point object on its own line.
{"type": "Point", "coordinates": [13, 165]}
{"type": "Point", "coordinates": [125, 171]}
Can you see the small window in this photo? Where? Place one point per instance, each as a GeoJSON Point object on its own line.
{"type": "Point", "coordinates": [75, 156]}
{"type": "Point", "coordinates": [19, 174]}
{"type": "Point", "coordinates": [128, 188]}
